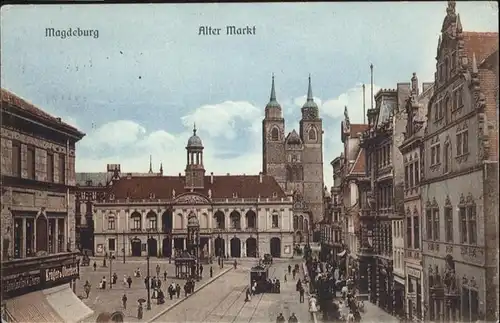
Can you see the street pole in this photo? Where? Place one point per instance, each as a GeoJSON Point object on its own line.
{"type": "Point", "coordinates": [124, 249]}
{"type": "Point", "coordinates": [148, 307]}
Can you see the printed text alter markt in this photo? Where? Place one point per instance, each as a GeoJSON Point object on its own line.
{"type": "Point", "coordinates": [230, 30]}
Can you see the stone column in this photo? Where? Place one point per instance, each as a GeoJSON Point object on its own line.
{"type": "Point", "coordinates": [184, 243]}
{"type": "Point", "coordinates": [143, 220]}
{"type": "Point", "coordinates": [25, 240]}
{"type": "Point", "coordinates": [228, 246]}
{"type": "Point", "coordinates": [393, 291]}
{"type": "Point", "coordinates": [369, 271]}
{"type": "Point", "coordinates": [377, 282]}
{"type": "Point", "coordinates": [243, 249]}
{"type": "Point", "coordinates": [226, 220]}
{"type": "Point", "coordinates": [210, 246]}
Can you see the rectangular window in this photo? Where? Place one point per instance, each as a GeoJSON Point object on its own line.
{"type": "Point", "coordinates": [16, 159]}
{"type": "Point", "coordinates": [417, 173]}
{"type": "Point", "coordinates": [111, 223]}
{"type": "Point", "coordinates": [30, 161]}
{"type": "Point", "coordinates": [407, 178]}
{"type": "Point", "coordinates": [412, 182]}
{"type": "Point", "coordinates": [460, 99]}
{"type": "Point", "coordinates": [465, 142]}
{"type": "Point", "coordinates": [438, 153]}
{"type": "Point", "coordinates": [428, 216]}
{"type": "Point", "coordinates": [463, 224]}
{"type": "Point", "coordinates": [111, 244]}
{"type": "Point", "coordinates": [459, 144]}
{"type": "Point", "coordinates": [436, 111]}
{"type": "Point", "coordinates": [50, 167]}
{"type": "Point", "coordinates": [137, 223]}
{"type": "Point", "coordinates": [152, 223]}
{"type": "Point", "coordinates": [446, 158]}
{"type": "Point", "coordinates": [448, 218]}
{"type": "Point", "coordinates": [416, 232]}
{"type": "Point", "coordinates": [62, 169]}
{"type": "Point", "coordinates": [436, 225]}
{"type": "Point", "coordinates": [409, 231]}
{"type": "Point", "coordinates": [60, 236]}
{"type": "Point", "coordinates": [471, 217]}
{"type": "Point", "coordinates": [433, 155]}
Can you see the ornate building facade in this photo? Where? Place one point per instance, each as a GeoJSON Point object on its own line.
{"type": "Point", "coordinates": [38, 180]}
{"type": "Point", "coordinates": [459, 187]}
{"type": "Point", "coordinates": [415, 114]}
{"type": "Point", "coordinates": [352, 185]}
{"type": "Point", "coordinates": [385, 199]}
{"type": "Point", "coordinates": [295, 160]}
{"type": "Point", "coordinates": [39, 264]}
{"type": "Point", "coordinates": [239, 216]}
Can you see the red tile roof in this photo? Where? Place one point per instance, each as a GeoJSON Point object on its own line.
{"type": "Point", "coordinates": [245, 186]}
{"type": "Point", "coordinates": [357, 128]}
{"type": "Point", "coordinates": [480, 43]}
{"type": "Point", "coordinates": [20, 103]}
{"type": "Point", "coordinates": [359, 164]}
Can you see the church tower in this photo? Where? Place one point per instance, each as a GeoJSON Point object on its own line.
{"type": "Point", "coordinates": [195, 172]}
{"type": "Point", "coordinates": [311, 133]}
{"type": "Point", "coordinates": [273, 147]}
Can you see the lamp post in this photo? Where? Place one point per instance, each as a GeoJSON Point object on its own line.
{"type": "Point", "coordinates": [124, 246]}
{"type": "Point", "coordinates": [110, 269]}
{"type": "Point", "coordinates": [193, 228]}
{"type": "Point", "coordinates": [148, 305]}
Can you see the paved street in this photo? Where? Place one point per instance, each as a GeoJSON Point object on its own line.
{"type": "Point", "coordinates": [223, 301]}
{"type": "Point", "coordinates": [109, 300]}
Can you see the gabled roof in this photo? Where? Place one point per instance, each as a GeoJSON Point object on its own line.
{"type": "Point", "coordinates": [293, 138]}
{"type": "Point", "coordinates": [482, 44]}
{"type": "Point", "coordinates": [359, 164]}
{"type": "Point", "coordinates": [17, 102]}
{"type": "Point", "coordinates": [357, 128]}
{"type": "Point", "coordinates": [244, 186]}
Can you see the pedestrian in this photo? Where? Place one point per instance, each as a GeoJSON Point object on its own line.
{"type": "Point", "coordinates": [87, 288]}
{"type": "Point", "coordinates": [146, 281]}
{"type": "Point", "coordinates": [124, 301]}
{"type": "Point", "coordinates": [289, 269]}
{"type": "Point", "coordinates": [115, 278]}
{"type": "Point", "coordinates": [95, 266]}
{"type": "Point", "coordinates": [158, 283]}
{"type": "Point", "coordinates": [178, 290]}
{"type": "Point", "coordinates": [280, 318]}
{"type": "Point", "coordinates": [158, 270]}
{"type": "Point", "coordinates": [124, 280]}
{"type": "Point", "coordinates": [293, 319]}
{"type": "Point", "coordinates": [211, 272]}
{"type": "Point", "coordinates": [201, 270]}
{"type": "Point", "coordinates": [165, 275]}
{"type": "Point", "coordinates": [139, 311]}
{"type": "Point", "coordinates": [129, 281]}
{"type": "Point", "coordinates": [301, 294]}
{"type": "Point", "coordinates": [186, 289]}
{"type": "Point", "coordinates": [293, 273]}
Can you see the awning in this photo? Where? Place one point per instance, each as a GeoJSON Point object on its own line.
{"type": "Point", "coordinates": [58, 304]}
{"type": "Point", "coordinates": [341, 254]}
{"type": "Point", "coordinates": [67, 304]}
{"type": "Point", "coordinates": [32, 307]}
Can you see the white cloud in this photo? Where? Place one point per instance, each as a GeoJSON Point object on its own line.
{"type": "Point", "coordinates": [114, 134]}
{"type": "Point", "coordinates": [219, 120]}
{"type": "Point", "coordinates": [353, 99]}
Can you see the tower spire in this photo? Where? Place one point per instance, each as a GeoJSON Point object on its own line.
{"type": "Point", "coordinates": [161, 168]}
{"type": "Point", "coordinates": [194, 129]}
{"type": "Point", "coordinates": [150, 164]}
{"type": "Point", "coordinates": [309, 90]}
{"type": "Point", "coordinates": [371, 96]}
{"type": "Point", "coordinates": [273, 92]}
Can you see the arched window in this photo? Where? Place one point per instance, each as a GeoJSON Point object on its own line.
{"type": "Point", "coordinates": [275, 134]}
{"type": "Point", "coordinates": [446, 68]}
{"type": "Point", "coordinates": [312, 134]}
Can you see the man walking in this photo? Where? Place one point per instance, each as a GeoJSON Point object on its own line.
{"type": "Point", "coordinates": [124, 301]}
{"type": "Point", "coordinates": [289, 269]}
{"type": "Point", "coordinates": [301, 294]}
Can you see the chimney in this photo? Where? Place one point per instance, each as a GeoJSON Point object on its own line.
{"type": "Point", "coordinates": [180, 175]}
{"type": "Point", "coordinates": [211, 177]}
{"type": "Point", "coordinates": [260, 177]}
{"type": "Point", "coordinates": [228, 174]}
{"type": "Point", "coordinates": [129, 175]}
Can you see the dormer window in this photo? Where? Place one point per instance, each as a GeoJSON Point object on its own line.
{"type": "Point", "coordinates": [111, 197]}
{"type": "Point", "coordinates": [235, 195]}
{"type": "Point", "coordinates": [275, 195]}
{"type": "Point", "coordinates": [88, 183]}
{"type": "Point", "coordinates": [151, 196]}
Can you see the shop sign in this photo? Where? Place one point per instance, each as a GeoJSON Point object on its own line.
{"type": "Point", "coordinates": [61, 272]}
{"type": "Point", "coordinates": [413, 272]}
{"type": "Point", "coordinates": [22, 281]}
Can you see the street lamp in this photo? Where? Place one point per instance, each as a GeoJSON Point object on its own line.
{"type": "Point", "coordinates": [148, 305]}
{"type": "Point", "coordinates": [193, 231]}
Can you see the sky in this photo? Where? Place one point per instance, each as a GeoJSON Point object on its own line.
{"type": "Point", "coordinates": [137, 89]}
